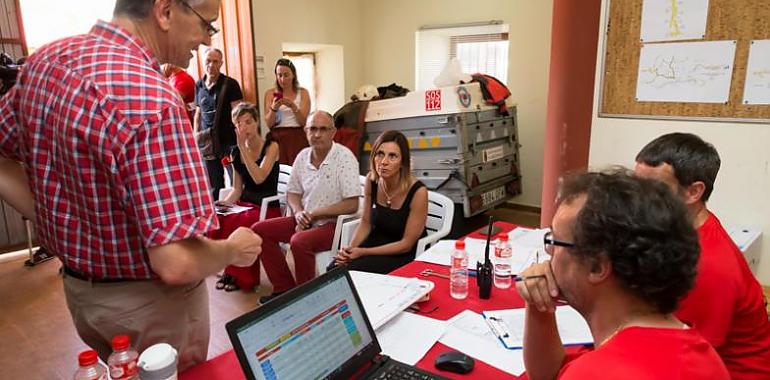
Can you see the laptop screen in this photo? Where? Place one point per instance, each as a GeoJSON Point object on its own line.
{"type": "Point", "coordinates": [309, 333]}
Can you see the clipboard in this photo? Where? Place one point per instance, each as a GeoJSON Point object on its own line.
{"type": "Point", "coordinates": [508, 326]}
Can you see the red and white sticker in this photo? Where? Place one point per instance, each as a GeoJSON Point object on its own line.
{"type": "Point", "coordinates": [433, 100]}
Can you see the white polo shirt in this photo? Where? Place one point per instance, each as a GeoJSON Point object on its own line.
{"type": "Point", "coordinates": [336, 179]}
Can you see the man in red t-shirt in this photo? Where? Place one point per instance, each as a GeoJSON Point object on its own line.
{"type": "Point", "coordinates": [623, 252]}
{"type": "Point", "coordinates": [725, 305]}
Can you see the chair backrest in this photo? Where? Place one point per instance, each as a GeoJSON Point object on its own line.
{"type": "Point", "coordinates": [284, 173]}
{"type": "Point", "coordinates": [441, 211]}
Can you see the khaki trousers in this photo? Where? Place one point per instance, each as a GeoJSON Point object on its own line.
{"type": "Point", "coordinates": [149, 312]}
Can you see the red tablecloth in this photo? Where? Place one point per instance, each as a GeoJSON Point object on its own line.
{"type": "Point", "coordinates": [442, 305]}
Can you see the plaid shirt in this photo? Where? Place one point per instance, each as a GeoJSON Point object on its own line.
{"type": "Point", "coordinates": [109, 153]}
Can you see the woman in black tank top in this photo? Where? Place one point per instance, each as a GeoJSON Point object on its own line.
{"type": "Point", "coordinates": [255, 176]}
{"type": "Point", "coordinates": [395, 211]}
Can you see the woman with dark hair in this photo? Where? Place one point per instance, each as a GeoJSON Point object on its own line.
{"type": "Point", "coordinates": [394, 214]}
{"type": "Point", "coordinates": [255, 176]}
{"type": "Point", "coordinates": [286, 109]}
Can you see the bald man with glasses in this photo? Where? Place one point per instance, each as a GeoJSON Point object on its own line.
{"type": "Point", "coordinates": [323, 185]}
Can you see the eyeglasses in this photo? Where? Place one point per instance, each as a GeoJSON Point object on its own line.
{"type": "Point", "coordinates": [549, 242]}
{"type": "Point", "coordinates": [210, 29]}
{"type": "Point", "coordinates": [313, 130]}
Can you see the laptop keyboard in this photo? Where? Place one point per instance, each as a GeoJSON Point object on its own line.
{"type": "Point", "coordinates": [394, 370]}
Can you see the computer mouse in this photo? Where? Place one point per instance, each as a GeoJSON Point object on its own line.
{"type": "Point", "coordinates": [454, 361]}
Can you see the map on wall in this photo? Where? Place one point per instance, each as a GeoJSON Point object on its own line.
{"type": "Point", "coordinates": [695, 72]}
{"type": "Point", "coordinates": [672, 20]}
{"type": "Point", "coordinates": [757, 89]}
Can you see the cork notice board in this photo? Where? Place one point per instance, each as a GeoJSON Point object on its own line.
{"type": "Point", "coordinates": [740, 20]}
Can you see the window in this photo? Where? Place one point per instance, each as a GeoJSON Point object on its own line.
{"type": "Point", "coordinates": [480, 49]}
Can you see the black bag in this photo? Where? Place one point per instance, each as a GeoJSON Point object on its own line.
{"type": "Point", "coordinates": [205, 140]}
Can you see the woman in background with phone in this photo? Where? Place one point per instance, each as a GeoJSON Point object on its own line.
{"type": "Point", "coordinates": [286, 109]}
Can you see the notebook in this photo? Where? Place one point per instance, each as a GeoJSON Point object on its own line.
{"type": "Point", "coordinates": [318, 330]}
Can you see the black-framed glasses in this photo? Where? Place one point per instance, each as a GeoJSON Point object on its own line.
{"type": "Point", "coordinates": [314, 130]}
{"type": "Point", "coordinates": [549, 242]}
{"type": "Point", "coordinates": [210, 29]}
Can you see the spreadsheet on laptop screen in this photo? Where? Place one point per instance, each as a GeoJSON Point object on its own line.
{"type": "Point", "coordinates": [308, 338]}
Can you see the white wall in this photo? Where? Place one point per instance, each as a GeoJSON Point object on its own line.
{"type": "Point", "coordinates": [389, 56]}
{"type": "Point", "coordinates": [324, 22]}
{"type": "Point", "coordinates": [378, 42]}
{"type": "Point", "coordinates": [742, 191]}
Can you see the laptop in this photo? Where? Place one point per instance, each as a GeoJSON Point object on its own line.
{"type": "Point", "coordinates": [318, 330]}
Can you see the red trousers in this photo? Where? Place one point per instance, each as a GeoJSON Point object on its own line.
{"type": "Point", "coordinates": [245, 277]}
{"type": "Point", "coordinates": [304, 246]}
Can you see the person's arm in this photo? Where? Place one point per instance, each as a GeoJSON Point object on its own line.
{"type": "Point", "coordinates": [197, 120]}
{"type": "Point", "coordinates": [543, 351]}
{"type": "Point", "coordinates": [271, 108]}
{"type": "Point", "coordinates": [193, 259]}
{"type": "Point", "coordinates": [343, 207]}
{"type": "Point", "coordinates": [14, 187]}
{"type": "Point", "coordinates": [415, 224]}
{"type": "Point", "coordinates": [294, 200]}
{"type": "Point", "coordinates": [302, 111]}
{"type": "Point", "coordinates": [235, 195]}
{"type": "Point", "coordinates": [260, 172]}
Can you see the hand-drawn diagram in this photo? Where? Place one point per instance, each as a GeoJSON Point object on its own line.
{"type": "Point", "coordinates": [757, 88]}
{"type": "Point", "coordinates": [698, 72]}
{"type": "Point", "coordinates": [671, 20]}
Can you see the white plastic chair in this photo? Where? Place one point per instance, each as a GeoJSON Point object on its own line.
{"type": "Point", "coordinates": [441, 212]}
{"type": "Point", "coordinates": [323, 259]}
{"type": "Point", "coordinates": [284, 173]}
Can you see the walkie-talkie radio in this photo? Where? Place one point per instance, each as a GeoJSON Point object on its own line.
{"type": "Point", "coordinates": [484, 271]}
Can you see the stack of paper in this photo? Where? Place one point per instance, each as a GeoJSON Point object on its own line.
{"type": "Point", "coordinates": [423, 332]}
{"type": "Point", "coordinates": [468, 333]}
{"type": "Point", "coordinates": [384, 296]}
{"type": "Point", "coordinates": [573, 329]}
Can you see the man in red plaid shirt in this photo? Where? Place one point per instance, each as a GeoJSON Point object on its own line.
{"type": "Point", "coordinates": [96, 148]}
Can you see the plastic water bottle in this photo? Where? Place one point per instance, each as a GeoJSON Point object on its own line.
{"type": "Point", "coordinates": [458, 274]}
{"type": "Point", "coordinates": [503, 262]}
{"type": "Point", "coordinates": [90, 368]}
{"type": "Point", "coordinates": [122, 361]}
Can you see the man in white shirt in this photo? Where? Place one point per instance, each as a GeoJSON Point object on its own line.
{"type": "Point", "coordinates": [323, 185]}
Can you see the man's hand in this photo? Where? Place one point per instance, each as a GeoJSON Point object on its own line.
{"type": "Point", "coordinates": [304, 219]}
{"type": "Point", "coordinates": [247, 246]}
{"type": "Point", "coordinates": [539, 293]}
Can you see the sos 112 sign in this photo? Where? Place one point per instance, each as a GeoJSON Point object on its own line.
{"type": "Point", "coordinates": [433, 100]}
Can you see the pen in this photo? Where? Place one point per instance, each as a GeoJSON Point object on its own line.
{"type": "Point", "coordinates": [515, 277]}
{"type": "Point", "coordinates": [500, 322]}
{"type": "Point", "coordinates": [493, 328]}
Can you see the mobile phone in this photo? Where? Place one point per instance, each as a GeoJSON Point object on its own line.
{"type": "Point", "coordinates": [278, 95]}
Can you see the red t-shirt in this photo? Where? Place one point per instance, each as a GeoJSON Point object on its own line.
{"type": "Point", "coordinates": [185, 84]}
{"type": "Point", "coordinates": [726, 306]}
{"type": "Point", "coordinates": [643, 353]}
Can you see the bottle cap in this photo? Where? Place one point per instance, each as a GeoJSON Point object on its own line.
{"type": "Point", "coordinates": [157, 362]}
{"type": "Point", "coordinates": [460, 244]}
{"type": "Point", "coordinates": [87, 357]}
{"type": "Point", "coordinates": [120, 342]}
{"type": "Point", "coordinates": [503, 236]}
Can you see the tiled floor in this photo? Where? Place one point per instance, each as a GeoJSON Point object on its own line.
{"type": "Point", "coordinates": [36, 331]}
